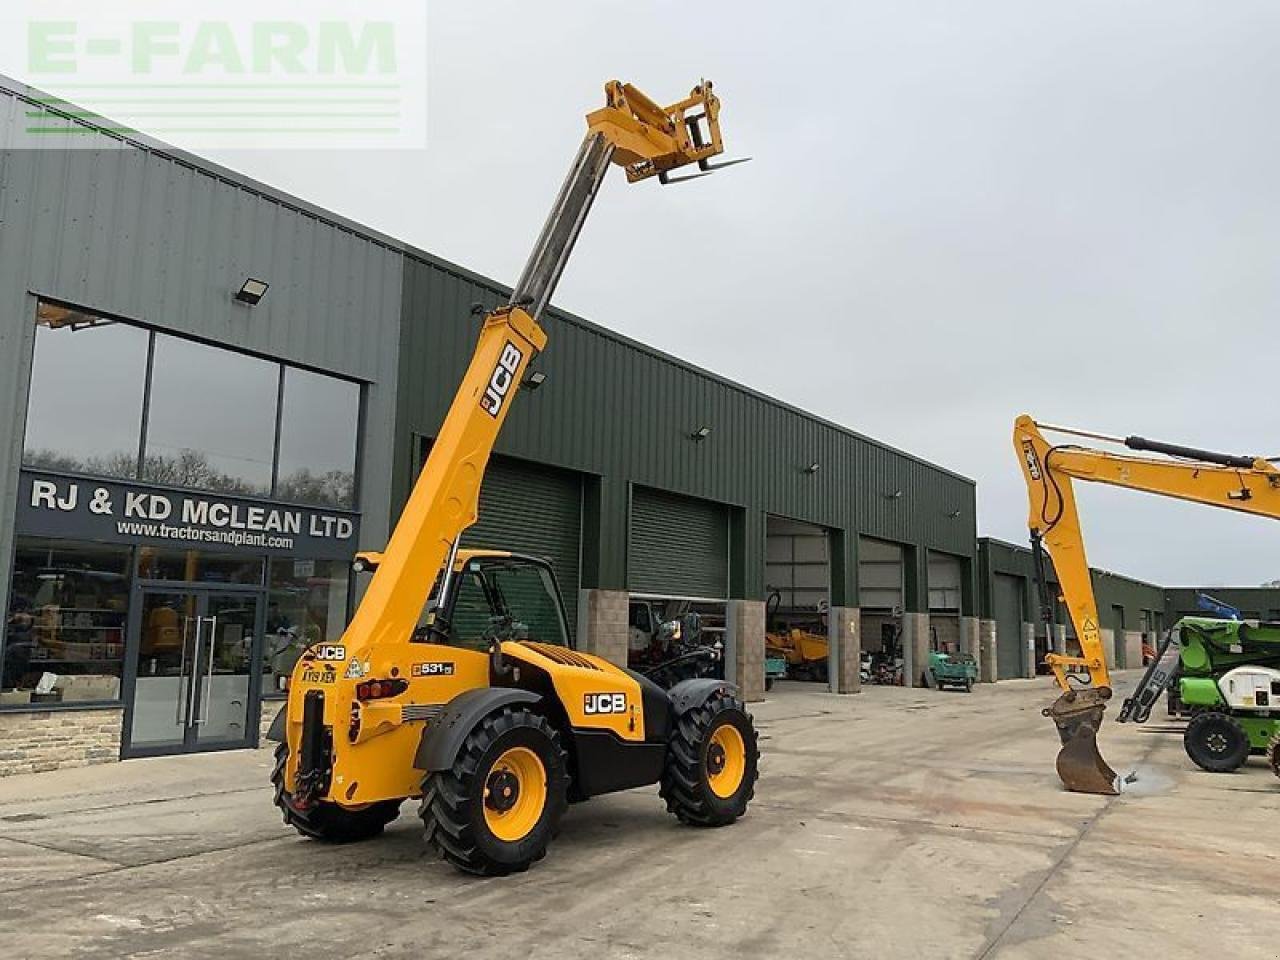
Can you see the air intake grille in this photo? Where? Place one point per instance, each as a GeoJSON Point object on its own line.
{"type": "Point", "coordinates": [560, 655]}
{"type": "Point", "coordinates": [421, 711]}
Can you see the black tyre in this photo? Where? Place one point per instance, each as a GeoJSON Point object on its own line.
{"type": "Point", "coordinates": [712, 763]}
{"type": "Point", "coordinates": [494, 811]}
{"type": "Point", "coordinates": [1216, 742]}
{"type": "Point", "coordinates": [326, 821]}
{"type": "Point", "coordinates": [968, 684]}
{"type": "Point", "coordinates": [768, 684]}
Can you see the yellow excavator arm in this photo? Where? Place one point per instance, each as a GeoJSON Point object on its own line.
{"type": "Point", "coordinates": [1242, 483]}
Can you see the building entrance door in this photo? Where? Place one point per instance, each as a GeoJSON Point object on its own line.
{"type": "Point", "coordinates": [191, 678]}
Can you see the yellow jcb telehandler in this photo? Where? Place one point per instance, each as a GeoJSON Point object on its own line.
{"type": "Point", "coordinates": [479, 705]}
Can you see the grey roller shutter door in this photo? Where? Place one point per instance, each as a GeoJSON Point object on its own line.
{"type": "Point", "coordinates": [526, 508]}
{"type": "Point", "coordinates": [1010, 651]}
{"type": "Point", "coordinates": [679, 546]}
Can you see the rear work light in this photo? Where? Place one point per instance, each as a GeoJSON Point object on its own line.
{"type": "Point", "coordinates": [380, 689]}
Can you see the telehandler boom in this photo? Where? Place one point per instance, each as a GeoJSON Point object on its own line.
{"type": "Point", "coordinates": [476, 703]}
{"type": "Point", "coordinates": [1241, 483]}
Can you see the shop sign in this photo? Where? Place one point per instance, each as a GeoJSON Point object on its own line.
{"type": "Point", "coordinates": [50, 505]}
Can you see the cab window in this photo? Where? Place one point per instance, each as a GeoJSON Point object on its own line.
{"type": "Point", "coordinates": [487, 593]}
{"type": "Point", "coordinates": [472, 613]}
{"type": "Point", "coordinates": [528, 594]}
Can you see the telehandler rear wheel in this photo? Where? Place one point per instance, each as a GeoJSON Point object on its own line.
{"type": "Point", "coordinates": [712, 763]}
{"type": "Point", "coordinates": [329, 822]}
{"type": "Point", "coordinates": [494, 811]}
{"type": "Point", "coordinates": [1216, 742]}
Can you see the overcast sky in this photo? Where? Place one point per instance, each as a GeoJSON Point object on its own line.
{"type": "Point", "coordinates": [957, 212]}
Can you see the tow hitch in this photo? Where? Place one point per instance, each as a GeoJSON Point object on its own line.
{"type": "Point", "coordinates": [315, 754]}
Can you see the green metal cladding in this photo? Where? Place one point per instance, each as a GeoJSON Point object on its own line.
{"type": "Point", "coordinates": [622, 414]}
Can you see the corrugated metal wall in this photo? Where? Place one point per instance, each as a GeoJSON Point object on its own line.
{"type": "Point", "coordinates": [149, 235]}
{"type": "Point", "coordinates": [155, 236]}
{"type": "Point", "coordinates": [1110, 590]}
{"type": "Point", "coordinates": [534, 510]}
{"type": "Point", "coordinates": [679, 546]}
{"type": "Point", "coordinates": [614, 408]}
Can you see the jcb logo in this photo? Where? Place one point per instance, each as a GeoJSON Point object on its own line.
{"type": "Point", "coordinates": [329, 651]}
{"type": "Point", "coordinates": [605, 703]}
{"type": "Point", "coordinates": [1033, 462]}
{"type": "Point", "coordinates": [504, 374]}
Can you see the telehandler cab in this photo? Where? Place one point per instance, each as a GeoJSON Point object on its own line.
{"type": "Point", "coordinates": [480, 706]}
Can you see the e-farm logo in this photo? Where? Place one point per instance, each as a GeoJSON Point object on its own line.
{"type": "Point", "coordinates": [269, 73]}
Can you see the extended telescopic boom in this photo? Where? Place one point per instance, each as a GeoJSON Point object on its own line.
{"type": "Point", "coordinates": [630, 131]}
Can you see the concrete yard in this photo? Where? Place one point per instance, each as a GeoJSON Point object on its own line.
{"type": "Point", "coordinates": [897, 823]}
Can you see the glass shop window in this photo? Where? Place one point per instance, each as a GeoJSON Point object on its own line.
{"type": "Point", "coordinates": [65, 628]}
{"type": "Point", "coordinates": [211, 422]}
{"type": "Point", "coordinates": [318, 425]}
{"type": "Point", "coordinates": [84, 411]}
{"type": "Point", "coordinates": [306, 604]}
{"type": "Point", "coordinates": [199, 566]}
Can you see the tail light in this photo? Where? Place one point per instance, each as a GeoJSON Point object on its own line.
{"type": "Point", "coordinates": [380, 689]}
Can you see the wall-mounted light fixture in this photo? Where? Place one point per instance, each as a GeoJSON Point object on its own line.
{"type": "Point", "coordinates": [700, 434]}
{"type": "Point", "coordinates": [252, 291]}
{"type": "Point", "coordinates": [813, 467]}
{"type": "Point", "coordinates": [534, 380]}
{"type": "Point", "coordinates": [892, 494]}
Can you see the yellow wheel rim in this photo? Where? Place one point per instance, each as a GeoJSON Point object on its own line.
{"type": "Point", "coordinates": [515, 793]}
{"type": "Point", "coordinates": [726, 761]}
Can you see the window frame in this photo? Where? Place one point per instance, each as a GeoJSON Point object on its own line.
{"type": "Point", "coordinates": [118, 703]}
{"type": "Point", "coordinates": [37, 301]}
{"type": "Point", "coordinates": [482, 569]}
{"type": "Point", "coordinates": [152, 331]}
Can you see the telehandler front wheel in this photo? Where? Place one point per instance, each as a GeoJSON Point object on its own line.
{"type": "Point", "coordinates": [1216, 742]}
{"type": "Point", "coordinates": [712, 763]}
{"type": "Point", "coordinates": [326, 821]}
{"type": "Point", "coordinates": [494, 811]}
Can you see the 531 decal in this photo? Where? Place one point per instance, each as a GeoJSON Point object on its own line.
{"type": "Point", "coordinates": [440, 668]}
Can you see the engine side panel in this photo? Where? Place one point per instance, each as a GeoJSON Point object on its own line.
{"type": "Point", "coordinates": [595, 694]}
{"type": "Point", "coordinates": [1251, 688]}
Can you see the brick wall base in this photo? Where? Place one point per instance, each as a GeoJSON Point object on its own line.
{"type": "Point", "coordinates": [1132, 649]}
{"type": "Point", "coordinates": [1108, 638]}
{"type": "Point", "coordinates": [51, 740]}
{"type": "Point", "coordinates": [1028, 650]}
{"type": "Point", "coordinates": [915, 648]}
{"type": "Point", "coordinates": [269, 710]}
{"type": "Point", "coordinates": [745, 645]}
{"type": "Point", "coordinates": [971, 641]}
{"type": "Point", "coordinates": [988, 658]}
{"type": "Point", "coordinates": [1060, 639]}
{"type": "Point", "coordinates": [602, 624]}
{"type": "Point", "coordinates": [845, 629]}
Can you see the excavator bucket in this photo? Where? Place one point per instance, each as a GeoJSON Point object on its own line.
{"type": "Point", "coordinates": [1078, 717]}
